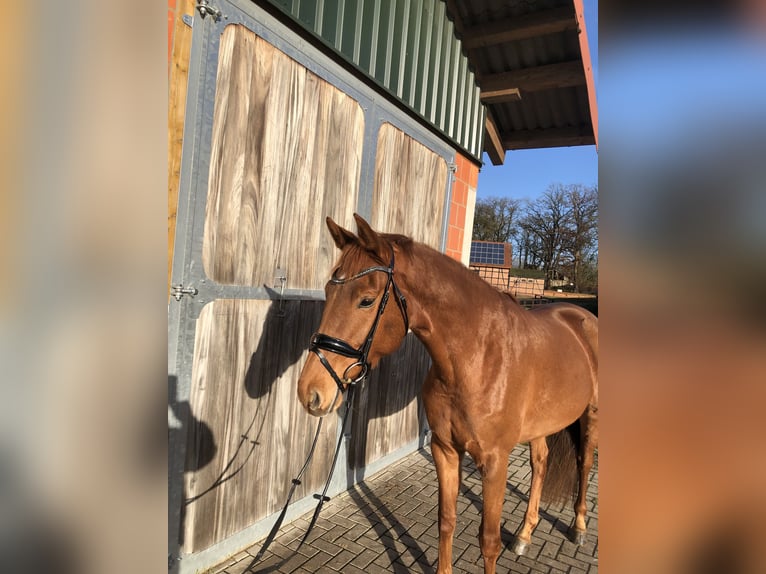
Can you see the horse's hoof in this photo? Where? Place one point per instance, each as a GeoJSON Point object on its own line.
{"type": "Point", "coordinates": [520, 547]}
{"type": "Point", "coordinates": [577, 536]}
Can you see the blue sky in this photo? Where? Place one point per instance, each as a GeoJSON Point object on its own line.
{"type": "Point", "coordinates": [527, 173]}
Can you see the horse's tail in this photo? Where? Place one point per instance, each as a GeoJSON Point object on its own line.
{"type": "Point", "coordinates": [562, 475]}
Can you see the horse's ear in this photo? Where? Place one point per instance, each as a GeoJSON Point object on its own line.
{"type": "Point", "coordinates": [342, 237]}
{"type": "Point", "coordinates": [369, 239]}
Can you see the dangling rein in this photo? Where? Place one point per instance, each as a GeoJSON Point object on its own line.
{"type": "Point", "coordinates": [297, 480]}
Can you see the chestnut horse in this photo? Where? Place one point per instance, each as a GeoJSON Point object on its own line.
{"type": "Point", "coordinates": [500, 374]}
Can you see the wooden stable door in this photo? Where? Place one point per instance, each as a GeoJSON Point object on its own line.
{"type": "Point", "coordinates": [278, 137]}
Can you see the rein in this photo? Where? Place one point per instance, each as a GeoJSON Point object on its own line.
{"type": "Point", "coordinates": [320, 342]}
{"type": "Point", "coordinates": [322, 498]}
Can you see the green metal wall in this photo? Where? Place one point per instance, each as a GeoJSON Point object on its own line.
{"type": "Point", "coordinates": [408, 47]}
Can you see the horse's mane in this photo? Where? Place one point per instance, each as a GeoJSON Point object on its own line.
{"type": "Point", "coordinates": [353, 258]}
{"type": "Point", "coordinates": [404, 242]}
{"type": "Point", "coordinates": [511, 295]}
{"type": "Point", "coordinates": [458, 269]}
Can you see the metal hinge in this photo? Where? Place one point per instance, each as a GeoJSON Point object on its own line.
{"type": "Point", "coordinates": [178, 291]}
{"type": "Point", "coordinates": [204, 8]}
{"type": "Point", "coordinates": [452, 167]}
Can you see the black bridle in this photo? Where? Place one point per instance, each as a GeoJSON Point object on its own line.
{"type": "Point", "coordinates": [321, 342]}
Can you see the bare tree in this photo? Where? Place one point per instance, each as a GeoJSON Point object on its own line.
{"type": "Point", "coordinates": [557, 232]}
{"type": "Point", "coordinates": [528, 258]}
{"type": "Point", "coordinates": [546, 224]}
{"type": "Point", "coordinates": [496, 219]}
{"type": "Point", "coordinates": [581, 242]}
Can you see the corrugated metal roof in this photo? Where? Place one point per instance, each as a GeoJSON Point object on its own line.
{"type": "Point", "coordinates": [408, 47]}
{"type": "Point", "coordinates": [492, 75]}
{"type": "Point", "coordinates": [530, 59]}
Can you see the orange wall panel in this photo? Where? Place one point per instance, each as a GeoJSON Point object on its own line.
{"type": "Point", "coordinates": [466, 177]}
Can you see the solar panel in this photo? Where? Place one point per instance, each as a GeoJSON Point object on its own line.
{"type": "Point", "coordinates": [487, 253]}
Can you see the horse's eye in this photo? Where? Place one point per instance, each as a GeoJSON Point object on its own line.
{"type": "Point", "coordinates": [366, 303]}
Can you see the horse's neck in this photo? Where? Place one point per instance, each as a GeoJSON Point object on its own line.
{"type": "Point", "coordinates": [446, 299]}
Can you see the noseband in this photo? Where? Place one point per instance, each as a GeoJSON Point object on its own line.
{"type": "Point", "coordinates": [321, 342]}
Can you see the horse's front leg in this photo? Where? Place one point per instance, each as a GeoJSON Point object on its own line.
{"type": "Point", "coordinates": [538, 458]}
{"type": "Point", "coordinates": [494, 471]}
{"type": "Point", "coordinates": [447, 460]}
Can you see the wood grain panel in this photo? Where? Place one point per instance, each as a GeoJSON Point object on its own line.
{"type": "Point", "coordinates": [249, 435]}
{"type": "Point", "coordinates": [408, 197]}
{"type": "Point", "coordinates": [286, 152]}
{"type": "Point", "coordinates": [388, 406]}
{"type": "Point", "coordinates": [410, 187]}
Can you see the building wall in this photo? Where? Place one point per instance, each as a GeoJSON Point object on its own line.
{"type": "Point", "coordinates": [179, 44]}
{"type": "Point", "coordinates": [462, 205]}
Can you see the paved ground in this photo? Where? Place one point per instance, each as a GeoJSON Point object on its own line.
{"type": "Point", "coordinates": [388, 524]}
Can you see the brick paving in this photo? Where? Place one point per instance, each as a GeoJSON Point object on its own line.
{"type": "Point", "coordinates": [388, 524]}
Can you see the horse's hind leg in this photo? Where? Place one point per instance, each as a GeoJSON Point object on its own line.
{"type": "Point", "coordinates": [538, 458]}
{"type": "Point", "coordinates": [588, 443]}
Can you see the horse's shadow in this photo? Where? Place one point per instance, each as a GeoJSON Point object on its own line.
{"type": "Point", "coordinates": [388, 529]}
{"type": "Point", "coordinates": [201, 440]}
{"type": "Point", "coordinates": [287, 328]}
{"type": "Point", "coordinates": [266, 365]}
{"type": "Point", "coordinates": [392, 387]}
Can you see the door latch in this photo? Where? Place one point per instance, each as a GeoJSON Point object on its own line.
{"type": "Point", "coordinates": [280, 282]}
{"type": "Point", "coordinates": [178, 291]}
{"type": "Point", "coordinates": [204, 8]}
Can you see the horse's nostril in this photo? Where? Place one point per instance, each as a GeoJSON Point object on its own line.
{"type": "Point", "coordinates": [315, 401]}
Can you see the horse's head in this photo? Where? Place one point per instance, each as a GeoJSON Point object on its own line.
{"type": "Point", "coordinates": [364, 319]}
